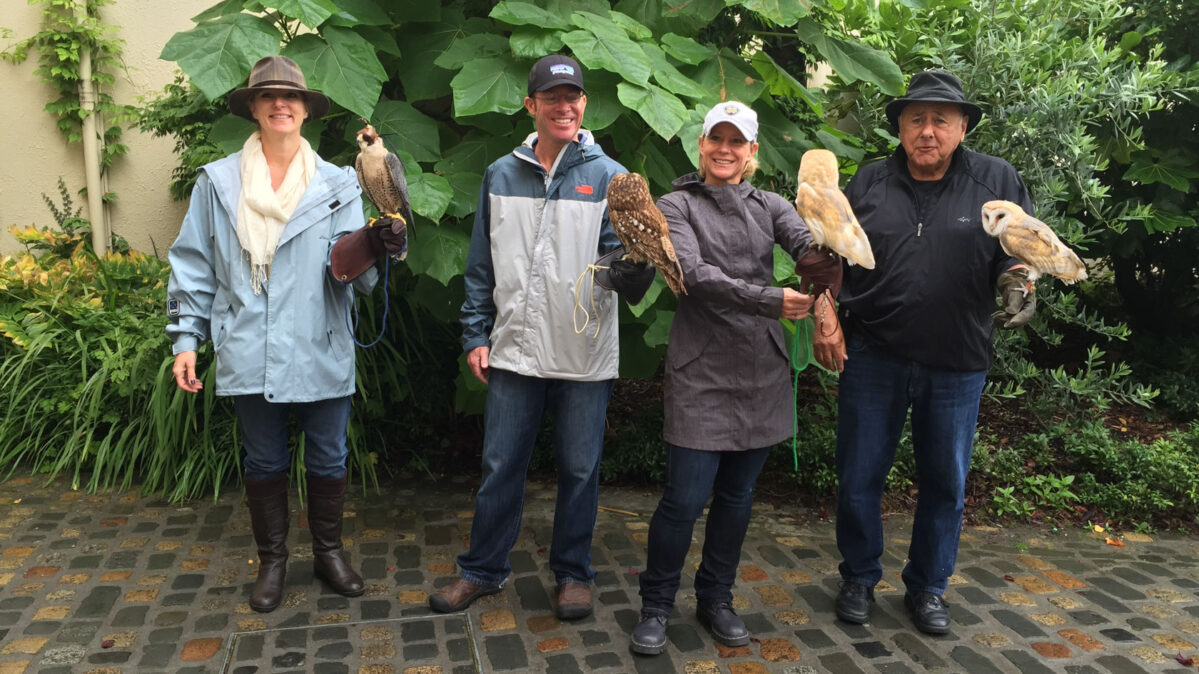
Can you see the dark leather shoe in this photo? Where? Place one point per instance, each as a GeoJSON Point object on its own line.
{"type": "Point", "coordinates": [458, 595]}
{"type": "Point", "coordinates": [928, 611]}
{"type": "Point", "coordinates": [574, 601]}
{"type": "Point", "coordinates": [649, 636]}
{"type": "Point", "coordinates": [853, 603]}
{"type": "Point", "coordinates": [723, 623]}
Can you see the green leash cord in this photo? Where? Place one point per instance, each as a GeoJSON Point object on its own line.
{"type": "Point", "coordinates": [801, 358]}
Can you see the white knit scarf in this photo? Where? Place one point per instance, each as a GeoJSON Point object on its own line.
{"type": "Point", "coordinates": [262, 212]}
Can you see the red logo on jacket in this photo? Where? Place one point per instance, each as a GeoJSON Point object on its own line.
{"type": "Point", "coordinates": [584, 189]}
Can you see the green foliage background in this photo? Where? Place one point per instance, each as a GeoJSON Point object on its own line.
{"type": "Point", "coordinates": [1092, 101]}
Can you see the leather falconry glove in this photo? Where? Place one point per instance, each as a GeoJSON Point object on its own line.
{"type": "Point", "coordinates": [629, 279]}
{"type": "Point", "coordinates": [1018, 296]}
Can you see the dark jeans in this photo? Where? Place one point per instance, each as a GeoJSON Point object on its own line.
{"type": "Point", "coordinates": [512, 418]}
{"type": "Point", "coordinates": [263, 427]}
{"type": "Point", "coordinates": [693, 475]}
{"type": "Point", "coordinates": [876, 391]}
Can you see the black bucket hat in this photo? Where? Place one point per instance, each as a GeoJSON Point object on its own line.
{"type": "Point", "coordinates": [281, 74]}
{"type": "Point", "coordinates": [934, 86]}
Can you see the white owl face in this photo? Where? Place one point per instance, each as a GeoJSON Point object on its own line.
{"type": "Point", "coordinates": [997, 215]}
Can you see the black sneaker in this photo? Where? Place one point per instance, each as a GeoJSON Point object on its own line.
{"type": "Point", "coordinates": [853, 603]}
{"type": "Point", "coordinates": [723, 623]}
{"type": "Point", "coordinates": [649, 636]}
{"type": "Point", "coordinates": [929, 611]}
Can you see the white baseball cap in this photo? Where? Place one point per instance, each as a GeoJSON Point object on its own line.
{"type": "Point", "coordinates": [736, 113]}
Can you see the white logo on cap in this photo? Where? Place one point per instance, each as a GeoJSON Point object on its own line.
{"type": "Point", "coordinates": [561, 69]}
{"type": "Point", "coordinates": [731, 110]}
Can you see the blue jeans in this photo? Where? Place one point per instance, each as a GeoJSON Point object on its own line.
{"type": "Point", "coordinates": [691, 476]}
{"type": "Point", "coordinates": [516, 405]}
{"type": "Point", "coordinates": [876, 391]}
{"type": "Point", "coordinates": [264, 435]}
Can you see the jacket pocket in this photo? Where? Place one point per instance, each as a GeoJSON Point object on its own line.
{"type": "Point", "coordinates": [687, 347]}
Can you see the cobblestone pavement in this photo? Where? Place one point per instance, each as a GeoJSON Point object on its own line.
{"type": "Point", "coordinates": [123, 583]}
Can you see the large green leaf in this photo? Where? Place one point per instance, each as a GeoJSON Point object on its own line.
{"type": "Point", "coordinates": [343, 66]}
{"type": "Point", "coordinates": [853, 61]}
{"type": "Point", "coordinates": [605, 45]}
{"type": "Point", "coordinates": [726, 77]}
{"type": "Point", "coordinates": [439, 252]}
{"type": "Point", "coordinates": [473, 154]}
{"type": "Point", "coordinates": [658, 332]}
{"type": "Point", "coordinates": [663, 112]}
{"type": "Point", "coordinates": [479, 45]}
{"type": "Point", "coordinates": [222, 8]}
{"type": "Point", "coordinates": [526, 14]}
{"type": "Point", "coordinates": [466, 193]}
{"type": "Point", "coordinates": [311, 13]}
{"type": "Point", "coordinates": [1173, 171]}
{"type": "Point", "coordinates": [780, 142]}
{"type": "Point", "coordinates": [424, 42]}
{"type": "Point", "coordinates": [431, 193]}
{"type": "Point", "coordinates": [382, 40]}
{"type": "Point", "coordinates": [352, 13]}
{"type": "Point", "coordinates": [230, 132]}
{"type": "Point", "coordinates": [668, 76]}
{"type": "Point", "coordinates": [780, 12]}
{"type": "Point", "coordinates": [217, 55]}
{"type": "Point", "coordinates": [603, 107]}
{"type": "Point", "coordinates": [687, 16]}
{"type": "Point", "coordinates": [495, 84]}
{"type": "Point", "coordinates": [635, 29]}
{"type": "Point", "coordinates": [686, 49]}
{"type": "Point", "coordinates": [402, 125]}
{"type": "Point", "coordinates": [531, 43]}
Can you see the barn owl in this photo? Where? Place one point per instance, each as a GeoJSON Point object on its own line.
{"type": "Point", "coordinates": [1032, 242]}
{"type": "Point", "coordinates": [826, 211]}
{"type": "Point", "coordinates": [381, 176]}
{"type": "Point", "coordinates": [642, 228]}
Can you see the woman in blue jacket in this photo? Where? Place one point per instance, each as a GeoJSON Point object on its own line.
{"type": "Point", "coordinates": [250, 271]}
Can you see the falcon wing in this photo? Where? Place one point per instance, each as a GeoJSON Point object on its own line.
{"type": "Point", "coordinates": [396, 168]}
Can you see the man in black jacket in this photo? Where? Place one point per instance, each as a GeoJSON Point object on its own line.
{"type": "Point", "coordinates": [918, 337]}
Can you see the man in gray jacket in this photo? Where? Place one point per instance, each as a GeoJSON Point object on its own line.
{"type": "Point", "coordinates": [542, 220]}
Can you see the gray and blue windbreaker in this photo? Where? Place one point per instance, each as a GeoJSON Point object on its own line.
{"type": "Point", "coordinates": [291, 343]}
{"type": "Point", "coordinates": [535, 234]}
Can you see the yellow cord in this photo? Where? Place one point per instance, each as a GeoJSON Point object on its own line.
{"type": "Point", "coordinates": [592, 268]}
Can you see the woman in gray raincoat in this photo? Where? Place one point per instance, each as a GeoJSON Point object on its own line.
{"type": "Point", "coordinates": [728, 393]}
{"type": "Point", "coordinates": [250, 271]}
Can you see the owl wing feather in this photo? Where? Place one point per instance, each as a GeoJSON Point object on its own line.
{"type": "Point", "coordinates": [1035, 244]}
{"type": "Point", "coordinates": [833, 225]}
{"type": "Point", "coordinates": [642, 228]}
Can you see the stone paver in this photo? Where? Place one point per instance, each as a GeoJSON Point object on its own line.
{"type": "Point", "coordinates": [117, 582]}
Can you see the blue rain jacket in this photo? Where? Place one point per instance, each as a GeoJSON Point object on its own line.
{"type": "Point", "coordinates": [292, 342]}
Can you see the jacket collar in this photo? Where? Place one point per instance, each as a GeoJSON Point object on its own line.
{"type": "Point", "coordinates": [727, 197]}
{"type": "Point", "coordinates": [957, 164]}
{"type": "Point", "coordinates": [331, 188]}
{"type": "Point", "coordinates": [582, 149]}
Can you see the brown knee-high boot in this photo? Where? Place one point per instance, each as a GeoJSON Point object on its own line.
{"type": "Point", "coordinates": [268, 517]}
{"type": "Point", "coordinates": [325, 499]}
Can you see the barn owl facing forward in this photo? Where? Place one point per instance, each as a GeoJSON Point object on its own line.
{"type": "Point", "coordinates": [642, 228]}
{"type": "Point", "coordinates": [826, 211]}
{"type": "Point", "coordinates": [1032, 242]}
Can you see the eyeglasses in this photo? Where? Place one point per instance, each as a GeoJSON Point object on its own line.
{"type": "Point", "coordinates": [554, 99]}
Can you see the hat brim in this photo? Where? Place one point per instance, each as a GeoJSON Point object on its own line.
{"type": "Point", "coordinates": [239, 100]}
{"type": "Point", "coordinates": [973, 112]}
{"type": "Point", "coordinates": [553, 83]}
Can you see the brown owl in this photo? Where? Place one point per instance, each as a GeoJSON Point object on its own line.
{"type": "Point", "coordinates": [642, 228]}
{"type": "Point", "coordinates": [1032, 242]}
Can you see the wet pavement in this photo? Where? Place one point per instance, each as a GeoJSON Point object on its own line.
{"type": "Point", "coordinates": [119, 582]}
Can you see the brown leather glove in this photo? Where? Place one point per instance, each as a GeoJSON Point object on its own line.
{"type": "Point", "coordinates": [392, 234]}
{"type": "Point", "coordinates": [1018, 296]}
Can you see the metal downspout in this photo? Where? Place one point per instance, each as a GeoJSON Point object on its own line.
{"type": "Point", "coordinates": [91, 144]}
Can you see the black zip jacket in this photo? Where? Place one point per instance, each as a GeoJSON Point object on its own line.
{"type": "Point", "coordinates": [932, 291]}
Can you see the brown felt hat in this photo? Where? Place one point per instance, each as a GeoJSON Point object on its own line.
{"type": "Point", "coordinates": [281, 74]}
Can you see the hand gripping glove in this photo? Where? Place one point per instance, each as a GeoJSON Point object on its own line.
{"type": "Point", "coordinates": [1018, 296]}
{"type": "Point", "coordinates": [629, 279]}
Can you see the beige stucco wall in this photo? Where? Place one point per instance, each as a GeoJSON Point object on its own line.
{"type": "Point", "coordinates": [35, 154]}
